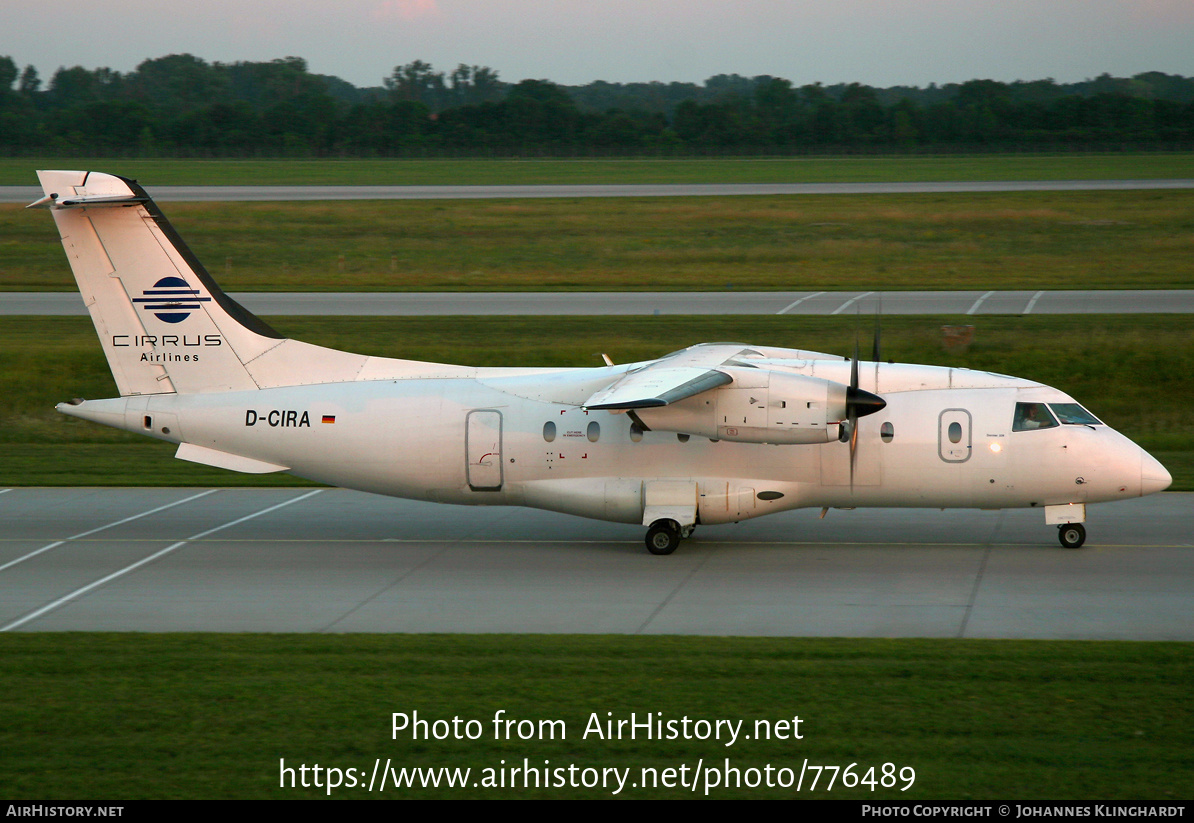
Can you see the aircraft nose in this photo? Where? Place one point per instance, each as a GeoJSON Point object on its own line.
{"type": "Point", "coordinates": [1153, 476]}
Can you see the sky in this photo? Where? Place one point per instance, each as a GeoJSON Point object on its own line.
{"type": "Point", "coordinates": [876, 42]}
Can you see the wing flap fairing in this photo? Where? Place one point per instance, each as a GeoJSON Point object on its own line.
{"type": "Point", "coordinates": [653, 387]}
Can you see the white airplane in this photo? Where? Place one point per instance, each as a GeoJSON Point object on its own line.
{"type": "Point", "coordinates": [715, 433]}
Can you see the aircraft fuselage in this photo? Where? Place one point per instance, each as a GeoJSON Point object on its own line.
{"type": "Point", "coordinates": [487, 440]}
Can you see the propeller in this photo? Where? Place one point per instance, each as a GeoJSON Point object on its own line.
{"type": "Point", "coordinates": [859, 403]}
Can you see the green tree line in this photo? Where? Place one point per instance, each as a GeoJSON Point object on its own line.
{"type": "Point", "coordinates": [181, 105]}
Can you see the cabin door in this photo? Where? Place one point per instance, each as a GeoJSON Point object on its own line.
{"type": "Point", "coordinates": [954, 436]}
{"type": "Point", "coordinates": [483, 449]}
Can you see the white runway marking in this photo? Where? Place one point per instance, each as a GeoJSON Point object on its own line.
{"type": "Point", "coordinates": [1032, 302]}
{"type": "Point", "coordinates": [796, 303]}
{"type": "Point", "coordinates": [57, 543]}
{"type": "Point", "coordinates": [851, 302]}
{"type": "Point", "coordinates": [77, 592]}
{"type": "Point", "coordinates": [979, 302]}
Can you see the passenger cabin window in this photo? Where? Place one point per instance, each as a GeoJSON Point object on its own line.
{"type": "Point", "coordinates": [1071, 414]}
{"type": "Point", "coordinates": [1031, 416]}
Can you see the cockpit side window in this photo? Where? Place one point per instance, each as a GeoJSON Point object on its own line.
{"type": "Point", "coordinates": [1071, 414]}
{"type": "Point", "coordinates": [1031, 416]}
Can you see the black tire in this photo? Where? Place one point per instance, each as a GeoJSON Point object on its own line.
{"type": "Point", "coordinates": [1071, 535]}
{"type": "Point", "coordinates": [663, 537]}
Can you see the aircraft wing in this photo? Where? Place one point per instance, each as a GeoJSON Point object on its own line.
{"type": "Point", "coordinates": [657, 385]}
{"type": "Point", "coordinates": [672, 378]}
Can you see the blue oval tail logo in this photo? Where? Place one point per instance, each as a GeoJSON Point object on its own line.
{"type": "Point", "coordinates": [171, 299]}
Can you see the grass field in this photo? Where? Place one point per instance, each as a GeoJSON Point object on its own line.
{"type": "Point", "coordinates": [19, 171]}
{"type": "Point", "coordinates": [130, 716]}
{"type": "Point", "coordinates": [1135, 372]}
{"type": "Point", "coordinates": [1033, 240]}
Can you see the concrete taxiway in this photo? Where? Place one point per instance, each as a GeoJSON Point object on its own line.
{"type": "Point", "coordinates": [184, 194]}
{"type": "Point", "coordinates": [330, 560]}
{"type": "Point", "coordinates": [395, 304]}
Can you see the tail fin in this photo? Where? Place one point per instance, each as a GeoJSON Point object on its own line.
{"type": "Point", "coordinates": [164, 323]}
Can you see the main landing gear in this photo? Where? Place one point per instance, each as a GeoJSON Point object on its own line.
{"type": "Point", "coordinates": [1071, 535]}
{"type": "Point", "coordinates": [665, 535]}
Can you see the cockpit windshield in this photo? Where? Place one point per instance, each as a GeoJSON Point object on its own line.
{"type": "Point", "coordinates": [1071, 414]}
{"type": "Point", "coordinates": [1032, 416]}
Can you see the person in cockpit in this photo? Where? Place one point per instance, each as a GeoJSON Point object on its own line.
{"type": "Point", "coordinates": [1032, 416]}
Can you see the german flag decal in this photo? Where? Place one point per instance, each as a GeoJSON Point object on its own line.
{"type": "Point", "coordinates": [329, 418]}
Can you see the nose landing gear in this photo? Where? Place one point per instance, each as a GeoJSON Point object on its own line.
{"type": "Point", "coordinates": [1071, 535]}
{"type": "Point", "coordinates": [1068, 518]}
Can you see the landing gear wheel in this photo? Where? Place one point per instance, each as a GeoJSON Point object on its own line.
{"type": "Point", "coordinates": [663, 537]}
{"type": "Point", "coordinates": [1071, 535]}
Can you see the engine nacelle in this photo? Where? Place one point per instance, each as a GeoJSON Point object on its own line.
{"type": "Point", "coordinates": [760, 406]}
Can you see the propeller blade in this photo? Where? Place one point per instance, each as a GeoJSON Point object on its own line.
{"type": "Point", "coordinates": [852, 412]}
{"type": "Point", "coordinates": [853, 445]}
{"type": "Point", "coordinates": [859, 403]}
{"type": "Point", "coordinates": [875, 356]}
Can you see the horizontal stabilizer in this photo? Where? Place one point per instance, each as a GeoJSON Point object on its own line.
{"type": "Point", "coordinates": [225, 460]}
